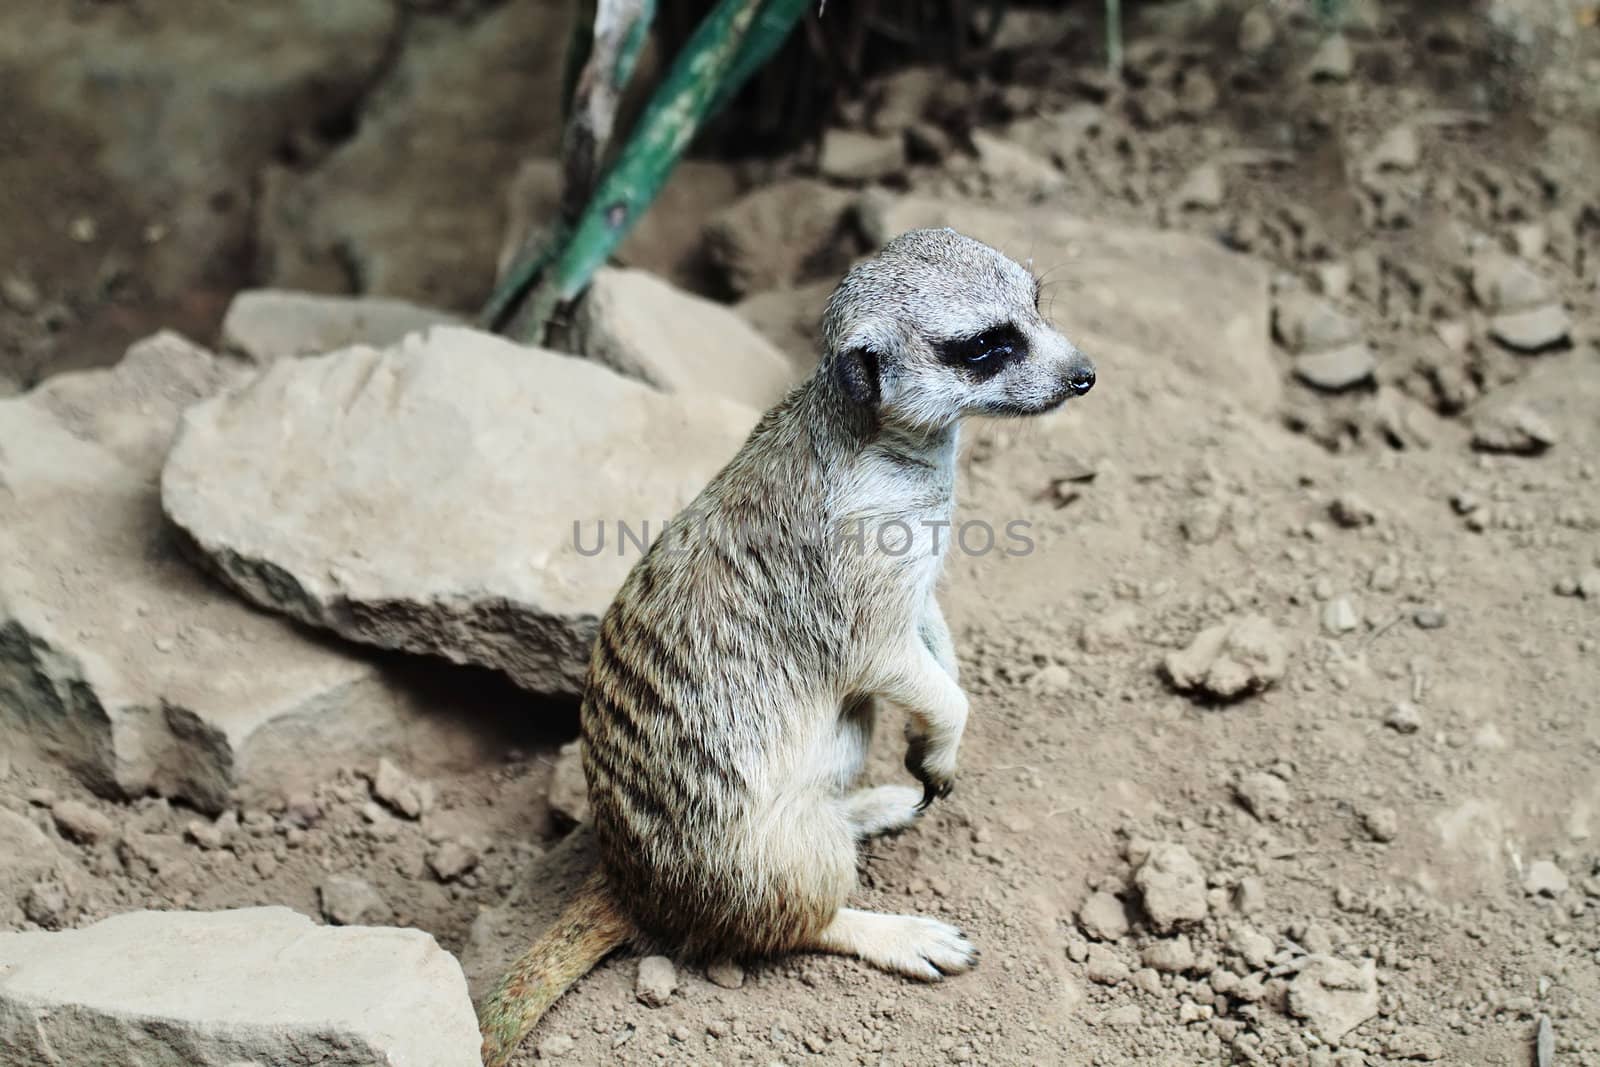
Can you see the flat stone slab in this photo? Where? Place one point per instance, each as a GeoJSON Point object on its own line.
{"type": "Point", "coordinates": [645, 328]}
{"type": "Point", "coordinates": [118, 657]}
{"type": "Point", "coordinates": [446, 495]}
{"type": "Point", "coordinates": [217, 989]}
{"type": "Point", "coordinates": [264, 325]}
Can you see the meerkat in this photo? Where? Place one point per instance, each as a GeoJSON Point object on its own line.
{"type": "Point", "coordinates": [733, 685]}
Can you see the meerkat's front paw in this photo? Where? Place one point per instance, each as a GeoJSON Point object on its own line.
{"type": "Point", "coordinates": [933, 764]}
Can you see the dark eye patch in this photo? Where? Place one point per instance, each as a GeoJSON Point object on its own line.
{"type": "Point", "coordinates": [983, 355]}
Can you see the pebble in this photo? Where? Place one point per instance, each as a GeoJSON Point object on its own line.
{"type": "Point", "coordinates": [1153, 106]}
{"type": "Point", "coordinates": [1516, 430]}
{"type": "Point", "coordinates": [1103, 917]}
{"type": "Point", "coordinates": [1250, 945]}
{"type": "Point", "coordinates": [1264, 795]}
{"type": "Point", "coordinates": [1333, 996]}
{"type": "Point", "coordinates": [81, 823]}
{"type": "Point", "coordinates": [404, 794]}
{"type": "Point", "coordinates": [1404, 717]}
{"type": "Point", "coordinates": [21, 293]}
{"type": "Point", "coordinates": [1399, 149]}
{"type": "Point", "coordinates": [1429, 619]}
{"type": "Point", "coordinates": [1204, 189]}
{"type": "Point", "coordinates": [726, 974]}
{"type": "Point", "coordinates": [1332, 61]}
{"type": "Point", "coordinates": [655, 982]}
{"type": "Point", "coordinates": [1172, 956]}
{"type": "Point", "coordinates": [1338, 369]}
{"type": "Point", "coordinates": [348, 901]}
{"type": "Point", "coordinates": [1382, 824]}
{"type": "Point", "coordinates": [1339, 616]}
{"type": "Point", "coordinates": [1306, 323]}
{"type": "Point", "coordinates": [1351, 510]}
{"type": "Point", "coordinates": [1256, 31]}
{"type": "Point", "coordinates": [205, 834]}
{"type": "Point", "coordinates": [1545, 879]}
{"type": "Point", "coordinates": [452, 859]}
{"type": "Point", "coordinates": [1544, 1043]}
{"type": "Point", "coordinates": [1148, 981]}
{"type": "Point", "coordinates": [1105, 967]}
{"type": "Point", "coordinates": [555, 1046]}
{"type": "Point", "coordinates": [1502, 283]}
{"type": "Point", "coordinates": [1533, 330]}
{"type": "Point", "coordinates": [1077, 951]}
{"type": "Point", "coordinates": [1249, 896]}
{"type": "Point", "coordinates": [46, 903]}
{"type": "Point", "coordinates": [1173, 887]}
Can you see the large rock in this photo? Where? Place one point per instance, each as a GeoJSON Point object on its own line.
{"type": "Point", "coordinates": [640, 326]}
{"type": "Point", "coordinates": [119, 659]}
{"type": "Point", "coordinates": [442, 496]}
{"type": "Point", "coordinates": [264, 325]}
{"type": "Point", "coordinates": [779, 235]}
{"type": "Point", "coordinates": [178, 106]}
{"type": "Point", "coordinates": [217, 989]}
{"type": "Point", "coordinates": [411, 206]}
{"type": "Point", "coordinates": [1180, 305]}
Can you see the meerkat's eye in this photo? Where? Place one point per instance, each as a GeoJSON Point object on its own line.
{"type": "Point", "coordinates": [985, 354]}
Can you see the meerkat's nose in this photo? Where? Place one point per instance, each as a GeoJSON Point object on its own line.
{"type": "Point", "coordinates": [1081, 381]}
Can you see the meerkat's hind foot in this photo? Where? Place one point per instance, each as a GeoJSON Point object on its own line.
{"type": "Point", "coordinates": [917, 947]}
{"type": "Point", "coordinates": [882, 809]}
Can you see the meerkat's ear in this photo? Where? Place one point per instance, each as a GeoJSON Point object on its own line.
{"type": "Point", "coordinates": [857, 371]}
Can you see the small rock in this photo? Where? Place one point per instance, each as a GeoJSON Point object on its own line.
{"type": "Point", "coordinates": [569, 789]}
{"type": "Point", "coordinates": [1414, 1043]}
{"type": "Point", "coordinates": [46, 903]}
{"type": "Point", "coordinates": [1398, 150]}
{"type": "Point", "coordinates": [1544, 879]}
{"type": "Point", "coordinates": [1333, 280]}
{"type": "Point", "coordinates": [20, 293]}
{"type": "Point", "coordinates": [725, 974]}
{"type": "Point", "coordinates": [1103, 917]}
{"type": "Point", "coordinates": [555, 1046]}
{"type": "Point", "coordinates": [349, 901]}
{"type": "Point", "coordinates": [1256, 30]}
{"type": "Point", "coordinates": [1203, 189]}
{"type": "Point", "coordinates": [1127, 1015]}
{"type": "Point", "coordinates": [1264, 795]}
{"type": "Point", "coordinates": [1305, 323]}
{"type": "Point", "coordinates": [853, 156]}
{"type": "Point", "coordinates": [1351, 510]}
{"type": "Point", "coordinates": [1588, 584]}
{"type": "Point", "coordinates": [1334, 997]}
{"type": "Point", "coordinates": [404, 794]}
{"type": "Point", "coordinates": [1249, 896]}
{"type": "Point", "coordinates": [1533, 330]}
{"type": "Point", "coordinates": [1172, 956]}
{"type": "Point", "coordinates": [1404, 717]}
{"type": "Point", "coordinates": [1077, 950]}
{"type": "Point", "coordinates": [1531, 239]}
{"type": "Point", "coordinates": [1332, 61]}
{"type": "Point", "coordinates": [1382, 824]}
{"type": "Point", "coordinates": [1429, 618]}
{"type": "Point", "coordinates": [1105, 967]}
{"type": "Point", "coordinates": [1544, 1043]}
{"type": "Point", "coordinates": [1337, 369]}
{"type": "Point", "coordinates": [1515, 429]}
{"type": "Point", "coordinates": [1153, 106]}
{"type": "Point", "coordinates": [452, 859]}
{"type": "Point", "coordinates": [1173, 887]}
{"type": "Point", "coordinates": [81, 823]}
{"type": "Point", "coordinates": [1339, 616]}
{"type": "Point", "coordinates": [655, 982]}
{"type": "Point", "coordinates": [1250, 945]}
{"type": "Point", "coordinates": [205, 834]}
{"type": "Point", "coordinates": [1010, 165]}
{"type": "Point", "coordinates": [1503, 283]}
{"type": "Point", "coordinates": [1197, 93]}
{"type": "Point", "coordinates": [1231, 659]}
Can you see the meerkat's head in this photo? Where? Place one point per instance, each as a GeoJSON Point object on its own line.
{"type": "Point", "coordinates": [937, 326]}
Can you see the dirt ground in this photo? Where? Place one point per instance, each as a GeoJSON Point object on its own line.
{"type": "Point", "coordinates": [1416, 790]}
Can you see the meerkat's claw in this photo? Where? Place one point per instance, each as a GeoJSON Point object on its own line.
{"type": "Point", "coordinates": [932, 791]}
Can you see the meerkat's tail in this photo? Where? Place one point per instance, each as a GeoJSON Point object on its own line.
{"type": "Point", "coordinates": [589, 930]}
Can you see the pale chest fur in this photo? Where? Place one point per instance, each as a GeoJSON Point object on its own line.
{"type": "Point", "coordinates": [894, 513]}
